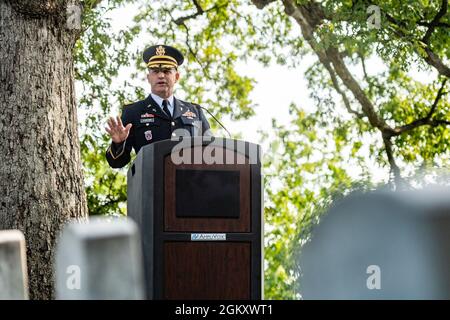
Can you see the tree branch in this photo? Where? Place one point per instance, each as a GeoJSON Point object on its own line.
{"type": "Point", "coordinates": [431, 58]}
{"type": "Point", "coordinates": [435, 123]}
{"type": "Point", "coordinates": [354, 87]}
{"type": "Point", "coordinates": [435, 21]}
{"type": "Point", "coordinates": [336, 86]}
{"type": "Point", "coordinates": [260, 4]}
{"type": "Point", "coordinates": [395, 170]}
{"type": "Point", "coordinates": [180, 21]}
{"type": "Point", "coordinates": [90, 4]}
{"type": "Point", "coordinates": [425, 120]}
{"type": "Point", "coordinates": [248, 20]}
{"type": "Point", "coordinates": [188, 44]}
{"type": "Point", "coordinates": [363, 63]}
{"type": "Point", "coordinates": [436, 62]}
{"type": "Point", "coordinates": [331, 56]}
{"type": "Point", "coordinates": [301, 14]}
{"type": "Point", "coordinates": [438, 24]}
{"type": "Point", "coordinates": [436, 100]}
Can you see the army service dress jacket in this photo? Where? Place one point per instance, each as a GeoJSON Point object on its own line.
{"type": "Point", "coordinates": [151, 124]}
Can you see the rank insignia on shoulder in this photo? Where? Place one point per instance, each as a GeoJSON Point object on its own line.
{"type": "Point", "coordinates": [147, 115]}
{"type": "Point", "coordinates": [189, 115]}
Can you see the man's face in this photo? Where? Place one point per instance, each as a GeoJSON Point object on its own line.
{"type": "Point", "coordinates": [162, 81]}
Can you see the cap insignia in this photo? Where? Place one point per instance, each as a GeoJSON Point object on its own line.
{"type": "Point", "coordinates": [160, 51]}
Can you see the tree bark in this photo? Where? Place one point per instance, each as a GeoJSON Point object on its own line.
{"type": "Point", "coordinates": [41, 182]}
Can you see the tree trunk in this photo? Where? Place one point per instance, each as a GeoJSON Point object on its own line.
{"type": "Point", "coordinates": [41, 182]}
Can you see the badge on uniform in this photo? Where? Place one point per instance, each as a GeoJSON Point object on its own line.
{"type": "Point", "coordinates": [147, 117]}
{"type": "Point", "coordinates": [148, 135]}
{"type": "Point", "coordinates": [189, 114]}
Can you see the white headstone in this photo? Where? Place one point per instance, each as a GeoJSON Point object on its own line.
{"type": "Point", "coordinates": [99, 260]}
{"type": "Point", "coordinates": [13, 266]}
{"type": "Point", "coordinates": [381, 246]}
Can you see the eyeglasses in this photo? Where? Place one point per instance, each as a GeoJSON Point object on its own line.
{"type": "Point", "coordinates": [156, 71]}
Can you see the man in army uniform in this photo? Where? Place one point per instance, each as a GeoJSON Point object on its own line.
{"type": "Point", "coordinates": [159, 115]}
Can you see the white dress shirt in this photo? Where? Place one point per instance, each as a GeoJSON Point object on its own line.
{"type": "Point", "coordinates": [159, 101]}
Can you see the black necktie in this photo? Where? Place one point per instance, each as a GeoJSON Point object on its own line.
{"type": "Point", "coordinates": [166, 109]}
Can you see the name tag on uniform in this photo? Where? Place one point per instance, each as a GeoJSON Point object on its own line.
{"type": "Point", "coordinates": [147, 120]}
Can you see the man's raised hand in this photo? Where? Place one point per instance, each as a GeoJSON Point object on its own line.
{"type": "Point", "coordinates": [117, 131]}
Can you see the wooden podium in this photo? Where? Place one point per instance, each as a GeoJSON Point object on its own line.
{"type": "Point", "coordinates": [198, 205]}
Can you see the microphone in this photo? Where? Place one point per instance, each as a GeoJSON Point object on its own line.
{"type": "Point", "coordinates": [229, 134]}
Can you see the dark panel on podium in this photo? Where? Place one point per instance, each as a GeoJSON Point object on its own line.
{"type": "Point", "coordinates": [207, 193]}
{"type": "Point", "coordinates": [213, 220]}
{"type": "Point", "coordinates": [205, 270]}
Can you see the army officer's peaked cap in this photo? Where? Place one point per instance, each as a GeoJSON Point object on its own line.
{"type": "Point", "coordinates": [162, 56]}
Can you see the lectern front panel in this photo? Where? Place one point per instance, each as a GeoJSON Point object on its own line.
{"type": "Point", "coordinates": [206, 197]}
{"type": "Point", "coordinates": [205, 270]}
{"type": "Point", "coordinates": [207, 193]}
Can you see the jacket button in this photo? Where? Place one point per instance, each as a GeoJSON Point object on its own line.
{"type": "Point", "coordinates": [173, 123]}
{"type": "Point", "coordinates": [146, 124]}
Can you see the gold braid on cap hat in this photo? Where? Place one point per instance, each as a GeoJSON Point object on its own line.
{"type": "Point", "coordinates": [161, 59]}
